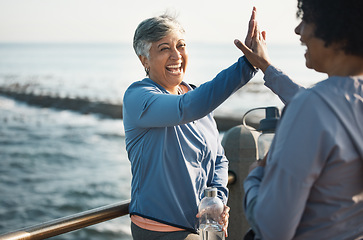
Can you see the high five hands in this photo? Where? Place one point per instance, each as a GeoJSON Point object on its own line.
{"type": "Point", "coordinates": [255, 48]}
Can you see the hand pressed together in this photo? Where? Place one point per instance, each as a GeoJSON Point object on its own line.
{"type": "Point", "coordinates": [255, 48]}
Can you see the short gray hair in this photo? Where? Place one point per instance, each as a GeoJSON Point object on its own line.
{"type": "Point", "coordinates": [152, 30]}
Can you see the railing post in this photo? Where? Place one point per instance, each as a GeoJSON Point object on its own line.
{"type": "Point", "coordinates": [240, 148]}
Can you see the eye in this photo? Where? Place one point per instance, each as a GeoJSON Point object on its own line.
{"type": "Point", "coordinates": [182, 45]}
{"type": "Point", "coordinates": [163, 48]}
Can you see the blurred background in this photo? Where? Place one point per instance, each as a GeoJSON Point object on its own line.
{"type": "Point", "coordinates": [57, 162]}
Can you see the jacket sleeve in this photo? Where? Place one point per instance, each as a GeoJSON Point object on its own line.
{"type": "Point", "coordinates": [281, 84]}
{"type": "Point", "coordinates": [147, 106]}
{"type": "Point", "coordinates": [220, 178]}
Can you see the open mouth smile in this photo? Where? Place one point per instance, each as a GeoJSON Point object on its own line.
{"type": "Point", "coordinates": [175, 69]}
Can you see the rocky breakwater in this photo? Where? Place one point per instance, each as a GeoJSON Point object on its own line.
{"type": "Point", "coordinates": [88, 106]}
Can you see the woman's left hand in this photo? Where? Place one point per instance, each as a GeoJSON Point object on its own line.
{"type": "Point", "coordinates": [224, 219]}
{"type": "Point", "coordinates": [260, 163]}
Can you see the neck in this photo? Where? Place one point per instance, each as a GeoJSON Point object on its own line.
{"type": "Point", "coordinates": [346, 65]}
{"type": "Point", "coordinates": [180, 90]}
{"type": "Point", "coordinates": [173, 90]}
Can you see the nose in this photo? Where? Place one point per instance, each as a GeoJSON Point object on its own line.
{"type": "Point", "coordinates": [298, 28]}
{"type": "Point", "coordinates": [175, 54]}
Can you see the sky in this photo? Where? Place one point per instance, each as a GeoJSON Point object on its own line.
{"type": "Point", "coordinates": [116, 20]}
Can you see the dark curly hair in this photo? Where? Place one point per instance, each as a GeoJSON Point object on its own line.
{"type": "Point", "coordinates": [336, 21]}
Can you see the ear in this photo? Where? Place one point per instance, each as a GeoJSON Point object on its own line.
{"type": "Point", "coordinates": [144, 61]}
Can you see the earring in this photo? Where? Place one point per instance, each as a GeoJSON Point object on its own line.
{"type": "Point", "coordinates": [147, 70]}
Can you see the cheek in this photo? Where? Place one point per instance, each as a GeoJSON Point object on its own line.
{"type": "Point", "coordinates": [158, 63]}
{"type": "Point", "coordinates": [185, 60]}
{"type": "Point", "coordinates": [185, 63]}
{"type": "Point", "coordinates": [312, 54]}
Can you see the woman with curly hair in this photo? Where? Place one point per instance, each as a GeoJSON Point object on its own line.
{"type": "Point", "coordinates": [310, 185]}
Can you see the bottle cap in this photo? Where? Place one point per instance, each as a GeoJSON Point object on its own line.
{"type": "Point", "coordinates": [210, 192]}
{"type": "Point", "coordinates": [269, 123]}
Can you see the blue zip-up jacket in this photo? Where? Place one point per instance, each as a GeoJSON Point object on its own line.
{"type": "Point", "coordinates": [174, 147]}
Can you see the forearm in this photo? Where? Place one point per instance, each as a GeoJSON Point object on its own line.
{"type": "Point", "coordinates": [281, 84]}
{"type": "Point", "coordinates": [208, 96]}
{"type": "Point", "coordinates": [220, 178]}
{"type": "Point", "coordinates": [251, 186]}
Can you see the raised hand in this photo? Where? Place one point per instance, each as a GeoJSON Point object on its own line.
{"type": "Point", "coordinates": [252, 24]}
{"type": "Point", "coordinates": [255, 48]}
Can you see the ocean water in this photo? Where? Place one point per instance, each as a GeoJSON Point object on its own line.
{"type": "Point", "coordinates": [55, 163]}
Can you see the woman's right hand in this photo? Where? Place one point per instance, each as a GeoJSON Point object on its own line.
{"type": "Point", "coordinates": [255, 48]}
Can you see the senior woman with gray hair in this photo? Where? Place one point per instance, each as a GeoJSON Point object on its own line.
{"type": "Point", "coordinates": [171, 137]}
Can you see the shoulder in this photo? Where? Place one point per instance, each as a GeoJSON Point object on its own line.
{"type": "Point", "coordinates": [328, 88]}
{"type": "Point", "coordinates": [146, 83]}
{"type": "Point", "coordinates": [306, 99]}
{"type": "Point", "coordinates": [139, 88]}
{"type": "Point", "coordinates": [338, 85]}
{"type": "Point", "coordinates": [317, 106]}
{"type": "Point", "coordinates": [306, 108]}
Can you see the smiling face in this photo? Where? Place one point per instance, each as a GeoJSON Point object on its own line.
{"type": "Point", "coordinates": [167, 61]}
{"type": "Point", "coordinates": [317, 55]}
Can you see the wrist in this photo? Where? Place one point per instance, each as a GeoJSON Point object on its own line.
{"type": "Point", "coordinates": [264, 66]}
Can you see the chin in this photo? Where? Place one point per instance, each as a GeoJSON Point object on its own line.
{"type": "Point", "coordinates": [308, 65]}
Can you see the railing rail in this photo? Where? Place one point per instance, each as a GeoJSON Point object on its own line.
{"type": "Point", "coordinates": [76, 221]}
{"type": "Point", "coordinates": [69, 223]}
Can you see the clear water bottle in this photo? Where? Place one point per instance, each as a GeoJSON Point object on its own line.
{"type": "Point", "coordinates": [263, 144]}
{"type": "Point", "coordinates": [210, 210]}
{"type": "Point", "coordinates": [267, 128]}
